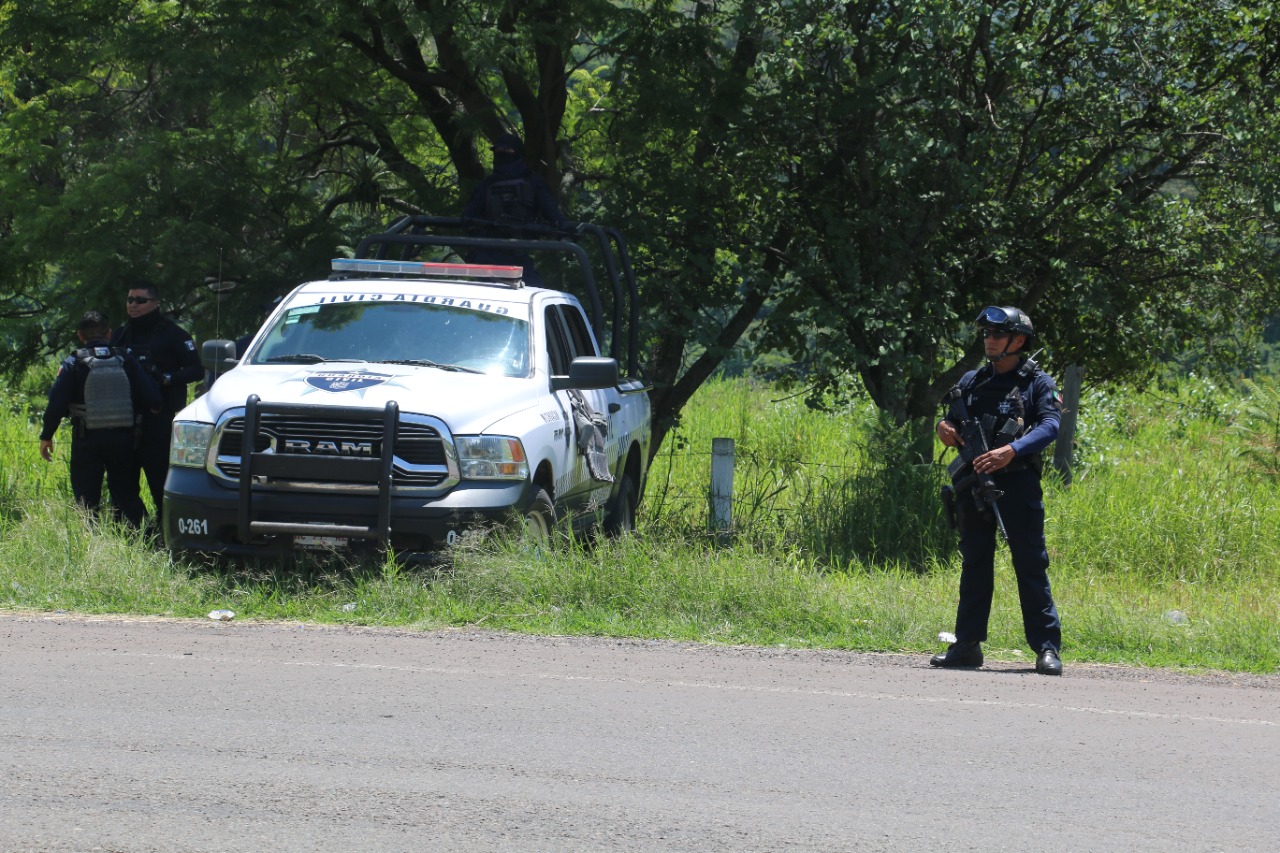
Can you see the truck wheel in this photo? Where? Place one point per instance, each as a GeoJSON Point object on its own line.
{"type": "Point", "coordinates": [621, 520]}
{"type": "Point", "coordinates": [539, 519]}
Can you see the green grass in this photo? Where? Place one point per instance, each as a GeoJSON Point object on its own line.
{"type": "Point", "coordinates": [1165, 549]}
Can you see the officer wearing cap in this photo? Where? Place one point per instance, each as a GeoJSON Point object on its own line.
{"type": "Point", "coordinates": [102, 440]}
{"type": "Point", "coordinates": [168, 354]}
{"type": "Point", "coordinates": [1024, 409]}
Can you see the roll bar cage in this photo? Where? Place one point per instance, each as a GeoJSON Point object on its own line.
{"type": "Point", "coordinates": [409, 235]}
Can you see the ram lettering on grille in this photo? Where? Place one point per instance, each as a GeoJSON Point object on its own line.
{"type": "Point", "coordinates": [332, 448]}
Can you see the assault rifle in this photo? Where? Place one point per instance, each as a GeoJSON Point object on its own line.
{"type": "Point", "coordinates": [986, 493]}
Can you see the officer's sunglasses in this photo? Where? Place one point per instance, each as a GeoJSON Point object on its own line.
{"type": "Point", "coordinates": [995, 333]}
{"type": "Point", "coordinates": [139, 300]}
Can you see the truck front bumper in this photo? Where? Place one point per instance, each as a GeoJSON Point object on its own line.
{"type": "Point", "coordinates": [202, 515]}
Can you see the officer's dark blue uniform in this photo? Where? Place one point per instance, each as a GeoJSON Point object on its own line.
{"type": "Point", "coordinates": [1026, 399]}
{"type": "Point", "coordinates": [95, 452]}
{"type": "Point", "coordinates": [1021, 507]}
{"type": "Point", "coordinates": [168, 354]}
{"type": "Point", "coordinates": [535, 203]}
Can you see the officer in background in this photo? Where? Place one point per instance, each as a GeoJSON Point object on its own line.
{"type": "Point", "coordinates": [1025, 408]}
{"type": "Point", "coordinates": [511, 197]}
{"type": "Point", "coordinates": [168, 355]}
{"type": "Point", "coordinates": [104, 392]}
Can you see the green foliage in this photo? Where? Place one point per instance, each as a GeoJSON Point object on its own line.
{"type": "Point", "coordinates": [966, 156]}
{"type": "Point", "coordinates": [844, 182]}
{"type": "Point", "coordinates": [887, 511]}
{"type": "Point", "coordinates": [1259, 426]}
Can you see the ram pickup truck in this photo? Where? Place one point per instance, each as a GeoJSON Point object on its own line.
{"type": "Point", "coordinates": [401, 402]}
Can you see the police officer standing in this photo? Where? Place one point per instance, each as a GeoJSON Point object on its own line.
{"type": "Point", "coordinates": [168, 355]}
{"type": "Point", "coordinates": [104, 392]}
{"type": "Point", "coordinates": [1019, 407]}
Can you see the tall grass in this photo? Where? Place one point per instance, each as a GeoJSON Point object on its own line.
{"type": "Point", "coordinates": [1165, 549]}
{"type": "Point", "coordinates": [838, 486]}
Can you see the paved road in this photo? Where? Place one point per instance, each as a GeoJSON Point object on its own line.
{"type": "Point", "coordinates": [137, 735]}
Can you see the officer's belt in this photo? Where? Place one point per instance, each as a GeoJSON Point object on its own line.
{"type": "Point", "coordinates": [78, 425]}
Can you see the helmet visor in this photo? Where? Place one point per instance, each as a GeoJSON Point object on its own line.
{"type": "Point", "coordinates": [993, 316]}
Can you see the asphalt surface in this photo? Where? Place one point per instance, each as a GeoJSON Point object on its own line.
{"type": "Point", "coordinates": [137, 735]}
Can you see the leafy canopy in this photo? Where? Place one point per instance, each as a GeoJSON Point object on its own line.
{"type": "Point", "coordinates": [845, 182]}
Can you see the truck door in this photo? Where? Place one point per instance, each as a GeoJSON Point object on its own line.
{"type": "Point", "coordinates": [568, 337]}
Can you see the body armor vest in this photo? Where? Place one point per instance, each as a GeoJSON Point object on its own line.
{"type": "Point", "coordinates": [1000, 404]}
{"type": "Point", "coordinates": [510, 202]}
{"type": "Point", "coordinates": [108, 396]}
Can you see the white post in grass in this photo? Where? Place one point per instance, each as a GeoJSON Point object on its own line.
{"type": "Point", "coordinates": [721, 483]}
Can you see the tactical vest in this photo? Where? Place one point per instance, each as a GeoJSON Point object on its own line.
{"type": "Point", "coordinates": [108, 396]}
{"type": "Point", "coordinates": [999, 401]}
{"type": "Point", "coordinates": [510, 201]}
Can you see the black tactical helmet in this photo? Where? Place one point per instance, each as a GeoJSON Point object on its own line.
{"type": "Point", "coordinates": [1007, 319]}
{"type": "Point", "coordinates": [508, 148]}
{"type": "Point", "coordinates": [511, 142]}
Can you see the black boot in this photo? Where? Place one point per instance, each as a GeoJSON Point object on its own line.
{"type": "Point", "coordinates": [959, 655]}
{"type": "Point", "coordinates": [1048, 663]}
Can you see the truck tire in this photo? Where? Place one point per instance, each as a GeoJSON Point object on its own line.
{"type": "Point", "coordinates": [621, 520]}
{"type": "Point", "coordinates": [540, 519]}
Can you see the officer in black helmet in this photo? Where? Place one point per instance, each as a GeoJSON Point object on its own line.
{"type": "Point", "coordinates": [512, 197]}
{"type": "Point", "coordinates": [105, 393]}
{"type": "Point", "coordinates": [1024, 408]}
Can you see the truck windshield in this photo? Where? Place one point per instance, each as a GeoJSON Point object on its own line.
{"type": "Point", "coordinates": [431, 335]}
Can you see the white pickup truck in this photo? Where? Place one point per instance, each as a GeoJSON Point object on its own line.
{"type": "Point", "coordinates": [400, 402]}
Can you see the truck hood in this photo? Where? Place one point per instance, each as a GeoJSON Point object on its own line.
{"type": "Point", "coordinates": [474, 400]}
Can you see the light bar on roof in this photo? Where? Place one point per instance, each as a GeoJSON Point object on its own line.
{"type": "Point", "coordinates": [510, 276]}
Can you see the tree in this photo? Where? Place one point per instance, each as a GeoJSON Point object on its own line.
{"type": "Point", "coordinates": [847, 181]}
{"type": "Point", "coordinates": [128, 152]}
{"type": "Point", "coordinates": [183, 139]}
{"type": "Point", "coordinates": [877, 172]}
{"type": "Point", "coordinates": [1083, 161]}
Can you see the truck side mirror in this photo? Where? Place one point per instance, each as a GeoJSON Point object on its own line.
{"type": "Point", "coordinates": [588, 373]}
{"type": "Point", "coordinates": [218, 356]}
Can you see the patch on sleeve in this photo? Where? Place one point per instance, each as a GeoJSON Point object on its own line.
{"type": "Point", "coordinates": [1057, 399]}
{"type": "Point", "coordinates": [191, 345]}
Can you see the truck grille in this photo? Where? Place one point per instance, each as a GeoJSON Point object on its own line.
{"type": "Point", "coordinates": [421, 458]}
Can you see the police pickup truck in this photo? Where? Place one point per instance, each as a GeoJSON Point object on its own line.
{"type": "Point", "coordinates": [401, 402]}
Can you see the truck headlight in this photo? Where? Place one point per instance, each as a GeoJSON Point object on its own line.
{"type": "Point", "coordinates": [491, 457]}
{"type": "Point", "coordinates": [189, 446]}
